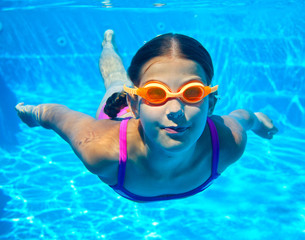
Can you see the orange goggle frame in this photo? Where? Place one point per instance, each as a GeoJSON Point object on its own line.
{"type": "Point", "coordinates": [156, 92]}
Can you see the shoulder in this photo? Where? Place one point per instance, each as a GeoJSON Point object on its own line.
{"type": "Point", "coordinates": [98, 146]}
{"type": "Point", "coordinates": [232, 140]}
{"type": "Point", "coordinates": [101, 147]}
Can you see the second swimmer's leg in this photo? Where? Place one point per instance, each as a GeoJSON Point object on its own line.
{"type": "Point", "coordinates": [111, 68]}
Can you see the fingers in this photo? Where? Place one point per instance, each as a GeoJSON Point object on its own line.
{"type": "Point", "coordinates": [271, 132]}
{"type": "Point", "coordinates": [25, 113]}
{"type": "Point", "coordinates": [267, 128]}
{"type": "Point", "coordinates": [18, 106]}
{"type": "Point", "coordinates": [21, 108]}
{"type": "Point", "coordinates": [274, 130]}
{"type": "Point", "coordinates": [269, 135]}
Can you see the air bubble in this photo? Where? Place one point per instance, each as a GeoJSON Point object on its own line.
{"type": "Point", "coordinates": [161, 26]}
{"type": "Point", "coordinates": [61, 41]}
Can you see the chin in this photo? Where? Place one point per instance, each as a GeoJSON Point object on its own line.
{"type": "Point", "coordinates": [173, 146]}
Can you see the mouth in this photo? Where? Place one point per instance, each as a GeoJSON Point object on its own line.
{"type": "Point", "coordinates": [175, 130]}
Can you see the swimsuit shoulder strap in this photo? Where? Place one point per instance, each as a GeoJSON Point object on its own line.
{"type": "Point", "coordinates": [123, 152]}
{"type": "Point", "coordinates": [215, 147]}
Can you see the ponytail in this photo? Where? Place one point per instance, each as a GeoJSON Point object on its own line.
{"type": "Point", "coordinates": [115, 103]}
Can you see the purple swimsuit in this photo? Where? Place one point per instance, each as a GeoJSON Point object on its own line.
{"type": "Point", "coordinates": [119, 187]}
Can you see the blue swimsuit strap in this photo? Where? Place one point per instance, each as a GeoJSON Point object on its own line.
{"type": "Point", "coordinates": [215, 147]}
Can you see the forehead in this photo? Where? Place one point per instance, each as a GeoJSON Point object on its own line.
{"type": "Point", "coordinates": [172, 70]}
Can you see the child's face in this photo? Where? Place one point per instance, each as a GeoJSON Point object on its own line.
{"type": "Point", "coordinates": [159, 121]}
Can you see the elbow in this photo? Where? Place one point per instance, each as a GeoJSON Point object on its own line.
{"type": "Point", "coordinates": [93, 169]}
{"type": "Point", "coordinates": [92, 165]}
{"type": "Point", "coordinates": [245, 118]}
{"type": "Point", "coordinates": [241, 142]}
{"type": "Point", "coordinates": [98, 166]}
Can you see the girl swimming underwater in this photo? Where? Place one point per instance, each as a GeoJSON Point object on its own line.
{"type": "Point", "coordinates": [154, 137]}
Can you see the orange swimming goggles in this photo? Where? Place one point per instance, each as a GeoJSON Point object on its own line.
{"type": "Point", "coordinates": [156, 92]}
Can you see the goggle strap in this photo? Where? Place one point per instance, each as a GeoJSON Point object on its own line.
{"type": "Point", "coordinates": [132, 91]}
{"type": "Point", "coordinates": [214, 89]}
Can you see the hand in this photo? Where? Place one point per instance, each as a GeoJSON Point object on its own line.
{"type": "Point", "coordinates": [264, 126]}
{"type": "Point", "coordinates": [26, 114]}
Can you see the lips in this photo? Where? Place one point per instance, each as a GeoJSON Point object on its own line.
{"type": "Point", "coordinates": [175, 130]}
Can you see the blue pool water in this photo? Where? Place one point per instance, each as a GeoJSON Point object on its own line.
{"type": "Point", "coordinates": [49, 54]}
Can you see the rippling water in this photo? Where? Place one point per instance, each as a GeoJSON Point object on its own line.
{"type": "Point", "coordinates": [49, 52]}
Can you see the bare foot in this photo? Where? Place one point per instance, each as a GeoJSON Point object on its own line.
{"type": "Point", "coordinates": [109, 40]}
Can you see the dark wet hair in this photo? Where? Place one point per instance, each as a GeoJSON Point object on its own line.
{"type": "Point", "coordinates": [115, 103]}
{"type": "Point", "coordinates": [172, 45]}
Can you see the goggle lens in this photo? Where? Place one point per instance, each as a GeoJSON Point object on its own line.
{"type": "Point", "coordinates": [156, 94]}
{"type": "Point", "coordinates": [193, 94]}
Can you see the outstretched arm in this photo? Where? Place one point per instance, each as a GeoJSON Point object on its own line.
{"type": "Point", "coordinates": [64, 121]}
{"type": "Point", "coordinates": [258, 122]}
{"type": "Point", "coordinates": [232, 132]}
{"type": "Point", "coordinates": [85, 134]}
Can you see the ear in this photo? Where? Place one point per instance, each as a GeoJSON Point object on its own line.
{"type": "Point", "coordinates": [212, 103]}
{"type": "Point", "coordinates": [132, 102]}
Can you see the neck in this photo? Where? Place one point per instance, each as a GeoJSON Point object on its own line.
{"type": "Point", "coordinates": [166, 164]}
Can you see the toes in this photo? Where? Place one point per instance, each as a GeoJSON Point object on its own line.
{"type": "Point", "coordinates": [108, 37]}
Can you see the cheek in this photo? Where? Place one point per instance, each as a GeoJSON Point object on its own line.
{"type": "Point", "coordinates": [196, 112]}
{"type": "Point", "coordinates": [150, 118]}
{"type": "Point", "coordinates": [149, 113]}
{"type": "Point", "coordinates": [197, 115]}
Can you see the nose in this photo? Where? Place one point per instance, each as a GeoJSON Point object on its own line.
{"type": "Point", "coordinates": [174, 109]}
